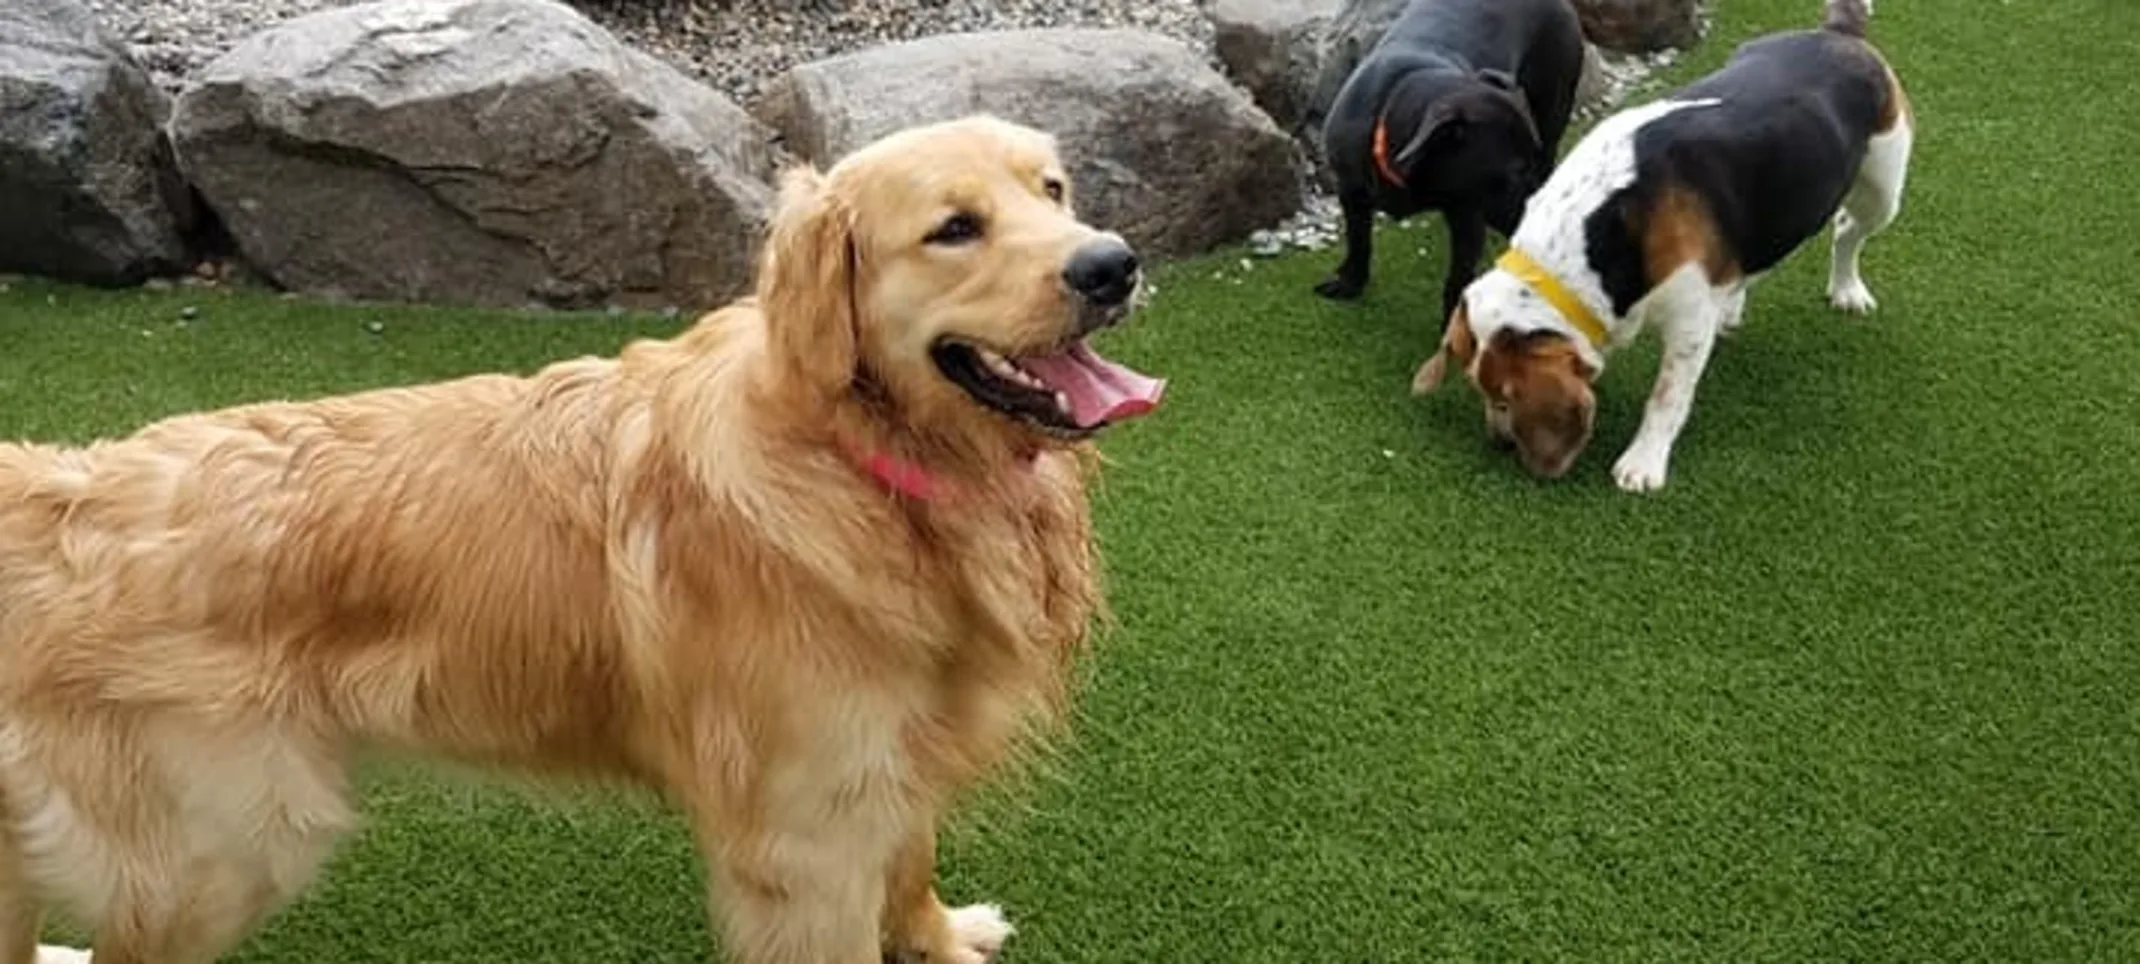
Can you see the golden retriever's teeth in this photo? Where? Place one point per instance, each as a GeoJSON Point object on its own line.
{"type": "Point", "coordinates": [1009, 371]}
{"type": "Point", "coordinates": [1062, 401]}
{"type": "Point", "coordinates": [1000, 365]}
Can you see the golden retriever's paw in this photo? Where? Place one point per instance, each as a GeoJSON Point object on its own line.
{"type": "Point", "coordinates": [981, 930]}
{"type": "Point", "coordinates": [48, 954]}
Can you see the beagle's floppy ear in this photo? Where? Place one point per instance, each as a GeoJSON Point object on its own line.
{"type": "Point", "coordinates": [806, 283]}
{"type": "Point", "coordinates": [1458, 344]}
{"type": "Point", "coordinates": [1542, 342]}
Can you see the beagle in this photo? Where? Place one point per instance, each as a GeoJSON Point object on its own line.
{"type": "Point", "coordinates": [1663, 215]}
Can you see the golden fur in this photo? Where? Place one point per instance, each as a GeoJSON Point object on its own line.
{"type": "Point", "coordinates": [664, 568]}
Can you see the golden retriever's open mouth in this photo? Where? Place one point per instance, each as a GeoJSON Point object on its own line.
{"type": "Point", "coordinates": [1071, 392]}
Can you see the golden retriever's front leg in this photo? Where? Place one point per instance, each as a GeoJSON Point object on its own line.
{"type": "Point", "coordinates": [919, 929]}
{"type": "Point", "coordinates": [800, 896]}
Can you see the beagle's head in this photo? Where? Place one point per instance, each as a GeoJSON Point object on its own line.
{"type": "Point", "coordinates": [1535, 382]}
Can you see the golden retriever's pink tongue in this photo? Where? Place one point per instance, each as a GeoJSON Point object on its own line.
{"type": "Point", "coordinates": [1099, 390]}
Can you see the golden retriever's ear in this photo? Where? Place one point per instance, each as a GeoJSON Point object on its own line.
{"type": "Point", "coordinates": [806, 282]}
{"type": "Point", "coordinates": [1457, 343]}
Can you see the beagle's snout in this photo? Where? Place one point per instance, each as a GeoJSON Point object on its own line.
{"type": "Point", "coordinates": [1102, 271]}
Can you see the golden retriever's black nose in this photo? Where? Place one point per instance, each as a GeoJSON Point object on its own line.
{"type": "Point", "coordinates": [1104, 272]}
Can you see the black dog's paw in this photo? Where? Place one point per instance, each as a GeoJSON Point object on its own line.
{"type": "Point", "coordinates": [1339, 288]}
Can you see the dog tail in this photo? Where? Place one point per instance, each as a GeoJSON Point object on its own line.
{"type": "Point", "coordinates": [1848, 16]}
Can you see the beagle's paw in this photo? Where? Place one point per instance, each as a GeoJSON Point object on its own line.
{"type": "Point", "coordinates": [1639, 470]}
{"type": "Point", "coordinates": [1853, 298]}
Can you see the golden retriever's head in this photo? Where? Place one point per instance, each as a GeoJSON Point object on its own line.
{"type": "Point", "coordinates": [1536, 386]}
{"type": "Point", "coordinates": [941, 270]}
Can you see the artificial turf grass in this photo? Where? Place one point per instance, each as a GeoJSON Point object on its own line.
{"type": "Point", "coordinates": [1854, 686]}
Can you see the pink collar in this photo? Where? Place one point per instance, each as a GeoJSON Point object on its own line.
{"type": "Point", "coordinates": [904, 477]}
{"type": "Point", "coordinates": [911, 479]}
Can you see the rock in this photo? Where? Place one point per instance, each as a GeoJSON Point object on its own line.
{"type": "Point", "coordinates": [87, 186]}
{"type": "Point", "coordinates": [1356, 28]}
{"type": "Point", "coordinates": [1161, 147]}
{"type": "Point", "coordinates": [1641, 26]}
{"type": "Point", "coordinates": [1273, 48]}
{"type": "Point", "coordinates": [1595, 85]}
{"type": "Point", "coordinates": [500, 152]}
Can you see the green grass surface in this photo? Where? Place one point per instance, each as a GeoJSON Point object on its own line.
{"type": "Point", "coordinates": [1859, 685]}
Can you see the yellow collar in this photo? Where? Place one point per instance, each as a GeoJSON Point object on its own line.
{"type": "Point", "coordinates": [1530, 272]}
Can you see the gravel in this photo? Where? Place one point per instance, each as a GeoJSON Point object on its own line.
{"type": "Point", "coordinates": [735, 46]}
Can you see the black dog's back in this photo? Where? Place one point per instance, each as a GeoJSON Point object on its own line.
{"type": "Point", "coordinates": [1478, 25]}
{"type": "Point", "coordinates": [1459, 107]}
{"type": "Point", "coordinates": [1459, 36]}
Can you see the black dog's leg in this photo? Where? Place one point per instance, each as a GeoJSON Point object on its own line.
{"type": "Point", "coordinates": [1467, 242]}
{"type": "Point", "coordinates": [1551, 109]}
{"type": "Point", "coordinates": [1548, 156]}
{"type": "Point", "coordinates": [1351, 277]}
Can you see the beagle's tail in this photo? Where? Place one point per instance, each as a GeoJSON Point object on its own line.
{"type": "Point", "coordinates": [1848, 16]}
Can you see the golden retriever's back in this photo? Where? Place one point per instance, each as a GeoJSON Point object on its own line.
{"type": "Point", "coordinates": [263, 552]}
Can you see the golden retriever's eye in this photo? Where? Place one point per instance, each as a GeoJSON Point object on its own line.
{"type": "Point", "coordinates": [1054, 187]}
{"type": "Point", "coordinates": [959, 228]}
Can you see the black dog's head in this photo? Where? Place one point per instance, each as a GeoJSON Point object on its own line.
{"type": "Point", "coordinates": [1476, 145]}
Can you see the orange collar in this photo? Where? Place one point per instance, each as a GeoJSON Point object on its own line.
{"type": "Point", "coordinates": [1382, 154]}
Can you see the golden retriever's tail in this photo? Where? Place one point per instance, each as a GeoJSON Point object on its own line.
{"type": "Point", "coordinates": [1848, 17]}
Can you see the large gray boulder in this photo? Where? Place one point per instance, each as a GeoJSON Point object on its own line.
{"type": "Point", "coordinates": [1352, 33]}
{"type": "Point", "coordinates": [1160, 146]}
{"type": "Point", "coordinates": [87, 189]}
{"type": "Point", "coordinates": [1274, 49]}
{"type": "Point", "coordinates": [506, 152]}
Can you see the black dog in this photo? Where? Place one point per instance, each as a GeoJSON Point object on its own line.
{"type": "Point", "coordinates": [1459, 108]}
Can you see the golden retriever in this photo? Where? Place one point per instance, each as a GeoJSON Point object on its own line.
{"type": "Point", "coordinates": [807, 570]}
